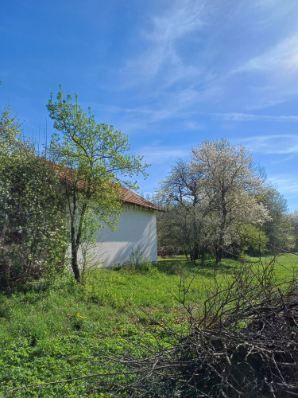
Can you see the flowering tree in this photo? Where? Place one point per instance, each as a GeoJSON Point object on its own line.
{"type": "Point", "coordinates": [232, 186]}
{"type": "Point", "coordinates": [215, 194]}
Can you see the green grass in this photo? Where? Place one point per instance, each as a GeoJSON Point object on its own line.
{"type": "Point", "coordinates": [63, 332]}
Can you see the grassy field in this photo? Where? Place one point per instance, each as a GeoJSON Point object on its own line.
{"type": "Point", "coordinates": [64, 331]}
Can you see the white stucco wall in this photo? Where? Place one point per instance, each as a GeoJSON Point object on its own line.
{"type": "Point", "coordinates": [135, 233]}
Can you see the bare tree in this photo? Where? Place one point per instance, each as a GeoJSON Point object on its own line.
{"type": "Point", "coordinates": [186, 207]}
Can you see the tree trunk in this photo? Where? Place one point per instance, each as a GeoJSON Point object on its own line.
{"type": "Point", "coordinates": [74, 262]}
{"type": "Point", "coordinates": [219, 248]}
{"type": "Point", "coordinates": [195, 248]}
{"type": "Point", "coordinates": [75, 237]}
{"type": "Point", "coordinates": [194, 254]}
{"type": "Point", "coordinates": [203, 257]}
{"type": "Point", "coordinates": [4, 275]}
{"type": "Point", "coordinates": [74, 252]}
{"type": "Point", "coordinates": [218, 255]}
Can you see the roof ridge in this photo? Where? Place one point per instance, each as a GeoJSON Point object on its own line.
{"type": "Point", "coordinates": [127, 195]}
{"type": "Point", "coordinates": [131, 197]}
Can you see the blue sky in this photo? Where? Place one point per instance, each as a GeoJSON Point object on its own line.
{"type": "Point", "coordinates": [170, 74]}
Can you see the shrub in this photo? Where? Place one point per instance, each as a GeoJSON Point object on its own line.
{"type": "Point", "coordinates": [32, 231]}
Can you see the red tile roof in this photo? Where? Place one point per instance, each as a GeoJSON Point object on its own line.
{"type": "Point", "coordinates": [126, 195]}
{"type": "Point", "coordinates": [130, 197]}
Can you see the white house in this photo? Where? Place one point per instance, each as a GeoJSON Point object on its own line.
{"type": "Point", "coordinates": [135, 236]}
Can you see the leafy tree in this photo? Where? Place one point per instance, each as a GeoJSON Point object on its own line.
{"type": "Point", "coordinates": [172, 237]}
{"type": "Point", "coordinates": [278, 227]}
{"type": "Point", "coordinates": [252, 240]}
{"type": "Point", "coordinates": [93, 157]}
{"type": "Point", "coordinates": [294, 222]}
{"type": "Point", "coordinates": [32, 234]}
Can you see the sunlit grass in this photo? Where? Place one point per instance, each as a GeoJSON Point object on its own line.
{"type": "Point", "coordinates": [61, 332]}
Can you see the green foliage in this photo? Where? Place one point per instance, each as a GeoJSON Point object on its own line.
{"type": "Point", "coordinates": [32, 233]}
{"type": "Point", "coordinates": [10, 133]}
{"type": "Point", "coordinates": [95, 149]}
{"type": "Point", "coordinates": [253, 240]}
{"type": "Point", "coordinates": [294, 226]}
{"type": "Point", "coordinates": [278, 227]}
{"type": "Point", "coordinates": [96, 156]}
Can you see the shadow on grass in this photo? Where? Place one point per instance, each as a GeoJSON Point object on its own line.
{"type": "Point", "coordinates": [182, 265]}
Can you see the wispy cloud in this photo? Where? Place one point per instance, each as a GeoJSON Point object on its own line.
{"type": "Point", "coordinates": [170, 107]}
{"type": "Point", "coordinates": [275, 72]}
{"type": "Point", "coordinates": [286, 185]}
{"type": "Point", "coordinates": [157, 155]}
{"type": "Point", "coordinates": [162, 73]}
{"type": "Point", "coordinates": [248, 117]}
{"type": "Point", "coordinates": [283, 57]}
{"type": "Point", "coordinates": [275, 144]}
{"type": "Point", "coordinates": [165, 73]}
{"type": "Point", "coordinates": [160, 44]}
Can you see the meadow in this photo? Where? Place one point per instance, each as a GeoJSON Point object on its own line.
{"type": "Point", "coordinates": [65, 330]}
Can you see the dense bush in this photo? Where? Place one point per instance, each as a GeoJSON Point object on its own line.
{"type": "Point", "coordinates": [32, 233]}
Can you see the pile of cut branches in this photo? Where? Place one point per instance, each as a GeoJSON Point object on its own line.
{"type": "Point", "coordinates": [244, 345]}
